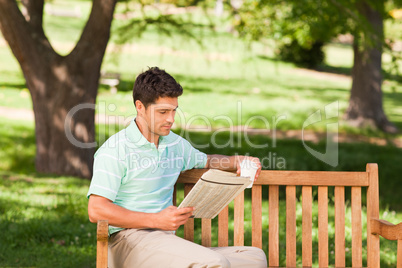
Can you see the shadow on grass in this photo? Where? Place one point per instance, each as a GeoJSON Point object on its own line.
{"type": "Point", "coordinates": [29, 243]}
{"type": "Point", "coordinates": [36, 227]}
{"type": "Point", "coordinates": [325, 68]}
{"type": "Point", "coordinates": [18, 148]}
{"type": "Point", "coordinates": [13, 85]}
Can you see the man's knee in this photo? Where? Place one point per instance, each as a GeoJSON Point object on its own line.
{"type": "Point", "coordinates": [258, 256]}
{"type": "Point", "coordinates": [216, 260]}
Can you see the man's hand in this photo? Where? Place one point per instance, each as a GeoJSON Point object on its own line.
{"type": "Point", "coordinates": [171, 218]}
{"type": "Point", "coordinates": [240, 159]}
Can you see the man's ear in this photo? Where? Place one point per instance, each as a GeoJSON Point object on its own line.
{"type": "Point", "coordinates": [140, 107]}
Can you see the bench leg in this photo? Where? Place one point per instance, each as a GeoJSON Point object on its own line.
{"type": "Point", "coordinates": [102, 244]}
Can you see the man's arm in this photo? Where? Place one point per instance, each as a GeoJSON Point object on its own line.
{"type": "Point", "coordinates": [231, 163]}
{"type": "Point", "coordinates": [101, 208]}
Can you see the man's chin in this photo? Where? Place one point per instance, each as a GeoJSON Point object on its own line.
{"type": "Point", "coordinates": [164, 132]}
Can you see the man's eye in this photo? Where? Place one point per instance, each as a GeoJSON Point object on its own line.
{"type": "Point", "coordinates": [163, 112]}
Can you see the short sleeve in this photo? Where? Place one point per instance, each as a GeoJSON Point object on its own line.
{"type": "Point", "coordinates": [109, 171]}
{"type": "Point", "coordinates": [193, 158]}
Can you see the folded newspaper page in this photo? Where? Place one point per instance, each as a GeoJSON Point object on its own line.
{"type": "Point", "coordinates": [213, 192]}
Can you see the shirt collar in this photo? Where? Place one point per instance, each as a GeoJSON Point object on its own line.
{"type": "Point", "coordinates": [135, 136]}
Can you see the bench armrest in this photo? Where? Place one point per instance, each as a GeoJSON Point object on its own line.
{"type": "Point", "coordinates": [386, 229]}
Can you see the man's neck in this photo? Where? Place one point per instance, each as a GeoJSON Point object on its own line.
{"type": "Point", "coordinates": [144, 129]}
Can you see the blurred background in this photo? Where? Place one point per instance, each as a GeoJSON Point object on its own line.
{"type": "Point", "coordinates": [272, 79]}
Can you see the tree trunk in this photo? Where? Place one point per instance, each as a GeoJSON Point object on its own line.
{"type": "Point", "coordinates": [63, 89]}
{"type": "Point", "coordinates": [365, 104]}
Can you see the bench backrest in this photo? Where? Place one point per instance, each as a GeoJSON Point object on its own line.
{"type": "Point", "coordinates": [306, 180]}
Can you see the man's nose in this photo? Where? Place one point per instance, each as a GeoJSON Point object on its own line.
{"type": "Point", "coordinates": [170, 118]}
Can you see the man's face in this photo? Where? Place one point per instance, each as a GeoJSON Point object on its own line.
{"type": "Point", "coordinates": [160, 115]}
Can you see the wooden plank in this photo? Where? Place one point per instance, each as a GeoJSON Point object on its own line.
{"type": "Point", "coordinates": [399, 255]}
{"type": "Point", "coordinates": [102, 244]}
{"type": "Point", "coordinates": [291, 226]}
{"type": "Point", "coordinates": [273, 247]}
{"type": "Point", "coordinates": [206, 232]}
{"type": "Point", "coordinates": [307, 222]}
{"type": "Point", "coordinates": [281, 177]}
{"type": "Point", "coordinates": [223, 227]}
{"type": "Point", "coordinates": [239, 220]}
{"type": "Point", "coordinates": [373, 212]}
{"type": "Point", "coordinates": [191, 176]}
{"type": "Point", "coordinates": [175, 195]}
{"type": "Point", "coordinates": [357, 260]}
{"type": "Point", "coordinates": [189, 225]}
{"type": "Point", "coordinates": [339, 226]}
{"type": "Point", "coordinates": [256, 220]}
{"type": "Point", "coordinates": [323, 226]}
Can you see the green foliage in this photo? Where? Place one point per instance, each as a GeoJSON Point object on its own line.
{"type": "Point", "coordinates": [170, 17]}
{"type": "Point", "coordinates": [299, 28]}
{"type": "Point", "coordinates": [308, 57]}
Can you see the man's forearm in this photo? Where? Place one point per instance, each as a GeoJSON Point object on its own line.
{"type": "Point", "coordinates": [100, 208]}
{"type": "Point", "coordinates": [231, 163]}
{"type": "Point", "coordinates": [170, 218]}
{"type": "Point", "coordinates": [222, 162]}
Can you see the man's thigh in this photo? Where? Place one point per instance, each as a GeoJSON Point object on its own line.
{"type": "Point", "coordinates": [154, 248]}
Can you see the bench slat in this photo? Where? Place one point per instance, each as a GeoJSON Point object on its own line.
{"type": "Point", "coordinates": [339, 226]}
{"type": "Point", "coordinates": [323, 226]}
{"type": "Point", "coordinates": [356, 227]}
{"type": "Point", "coordinates": [308, 178]}
{"type": "Point", "coordinates": [206, 232]}
{"type": "Point", "coordinates": [313, 178]}
{"type": "Point", "coordinates": [291, 226]}
{"type": "Point", "coordinates": [373, 205]}
{"type": "Point", "coordinates": [189, 225]}
{"type": "Point", "coordinates": [273, 225]}
{"type": "Point", "coordinates": [256, 220]}
{"type": "Point", "coordinates": [307, 244]}
{"type": "Point", "coordinates": [239, 220]}
{"type": "Point", "coordinates": [223, 227]}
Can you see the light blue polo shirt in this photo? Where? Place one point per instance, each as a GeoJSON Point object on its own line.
{"type": "Point", "coordinates": [134, 174]}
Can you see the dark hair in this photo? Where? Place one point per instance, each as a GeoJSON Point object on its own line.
{"type": "Point", "coordinates": [153, 84]}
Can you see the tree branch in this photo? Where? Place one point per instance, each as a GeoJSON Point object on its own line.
{"type": "Point", "coordinates": [34, 14]}
{"type": "Point", "coordinates": [96, 33]}
{"type": "Point", "coordinates": [26, 39]}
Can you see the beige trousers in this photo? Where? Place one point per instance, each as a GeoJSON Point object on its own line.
{"type": "Point", "coordinates": [134, 248]}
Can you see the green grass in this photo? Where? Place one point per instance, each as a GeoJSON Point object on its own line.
{"type": "Point", "coordinates": [45, 222]}
{"type": "Point", "coordinates": [45, 214]}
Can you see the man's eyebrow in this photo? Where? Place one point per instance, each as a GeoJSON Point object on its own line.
{"type": "Point", "coordinates": [166, 109]}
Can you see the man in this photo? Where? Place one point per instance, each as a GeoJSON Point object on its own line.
{"type": "Point", "coordinates": [134, 174]}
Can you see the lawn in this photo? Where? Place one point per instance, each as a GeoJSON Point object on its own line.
{"type": "Point", "coordinates": [226, 83]}
{"type": "Point", "coordinates": [45, 213]}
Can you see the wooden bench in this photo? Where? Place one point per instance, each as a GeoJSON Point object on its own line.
{"type": "Point", "coordinates": [295, 181]}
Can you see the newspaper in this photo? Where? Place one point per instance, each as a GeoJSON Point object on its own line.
{"type": "Point", "coordinates": [213, 192]}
